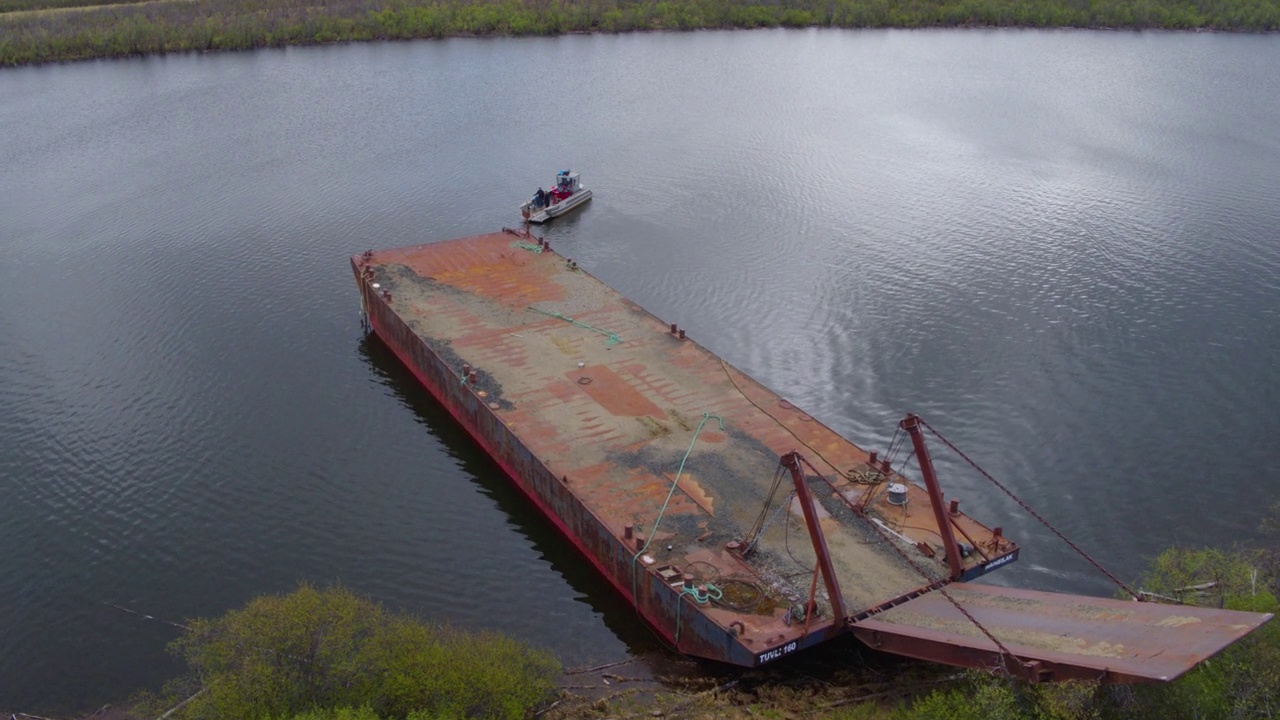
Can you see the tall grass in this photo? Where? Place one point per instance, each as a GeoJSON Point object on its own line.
{"type": "Point", "coordinates": [30, 33]}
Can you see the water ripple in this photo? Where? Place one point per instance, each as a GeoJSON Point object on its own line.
{"type": "Point", "coordinates": [1058, 247]}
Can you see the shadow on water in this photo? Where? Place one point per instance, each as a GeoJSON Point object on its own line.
{"type": "Point", "coordinates": [491, 479]}
{"type": "Point", "coordinates": [826, 663]}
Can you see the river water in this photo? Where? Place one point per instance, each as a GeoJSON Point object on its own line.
{"type": "Point", "coordinates": [1060, 248]}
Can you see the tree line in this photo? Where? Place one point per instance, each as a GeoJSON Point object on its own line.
{"type": "Point", "coordinates": [38, 31]}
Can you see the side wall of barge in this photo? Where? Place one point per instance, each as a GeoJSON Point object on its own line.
{"type": "Point", "coordinates": [658, 603]}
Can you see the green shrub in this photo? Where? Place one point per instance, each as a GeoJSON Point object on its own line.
{"type": "Point", "coordinates": [345, 713]}
{"type": "Point", "coordinates": [984, 699]}
{"type": "Point", "coordinates": [315, 650]}
{"type": "Point", "coordinates": [1244, 680]}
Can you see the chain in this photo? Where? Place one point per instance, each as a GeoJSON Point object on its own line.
{"type": "Point", "coordinates": [1004, 651]}
{"type": "Point", "coordinates": [755, 538]}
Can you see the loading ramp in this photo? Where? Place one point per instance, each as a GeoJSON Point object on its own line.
{"type": "Point", "coordinates": [1052, 636]}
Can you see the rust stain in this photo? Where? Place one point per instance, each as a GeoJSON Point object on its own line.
{"type": "Point", "coordinates": [613, 393]}
{"type": "Point", "coordinates": [500, 271]}
{"type": "Point", "coordinates": [697, 493]}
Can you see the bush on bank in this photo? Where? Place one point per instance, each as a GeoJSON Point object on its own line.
{"type": "Point", "coordinates": [330, 655]}
{"type": "Point", "coordinates": [317, 654]}
{"type": "Point", "coordinates": [35, 31]}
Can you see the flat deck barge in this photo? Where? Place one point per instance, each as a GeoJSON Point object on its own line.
{"type": "Point", "coordinates": [740, 528]}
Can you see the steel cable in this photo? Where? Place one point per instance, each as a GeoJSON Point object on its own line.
{"type": "Point", "coordinates": [999, 645]}
{"type": "Point", "coordinates": [1034, 514]}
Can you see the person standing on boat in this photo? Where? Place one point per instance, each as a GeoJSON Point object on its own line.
{"type": "Point", "coordinates": [540, 199]}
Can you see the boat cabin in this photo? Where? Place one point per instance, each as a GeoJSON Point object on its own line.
{"type": "Point", "coordinates": [567, 183]}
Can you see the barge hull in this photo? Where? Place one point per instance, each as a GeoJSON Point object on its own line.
{"type": "Point", "coordinates": [549, 493]}
{"type": "Point", "coordinates": [661, 463]}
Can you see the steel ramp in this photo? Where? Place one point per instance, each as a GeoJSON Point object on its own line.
{"type": "Point", "coordinates": [1059, 636]}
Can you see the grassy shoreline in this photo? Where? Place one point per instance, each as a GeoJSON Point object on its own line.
{"type": "Point", "coordinates": [330, 654]}
{"type": "Point", "coordinates": [42, 31]}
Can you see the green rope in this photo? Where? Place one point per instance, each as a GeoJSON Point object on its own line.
{"type": "Point", "coordinates": [679, 471]}
{"type": "Point", "coordinates": [702, 597]}
{"type": "Point", "coordinates": [611, 338]}
{"type": "Point", "coordinates": [528, 246]}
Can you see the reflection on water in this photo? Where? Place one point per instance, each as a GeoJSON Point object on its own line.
{"type": "Point", "coordinates": [1058, 247]}
{"type": "Point", "coordinates": [592, 588]}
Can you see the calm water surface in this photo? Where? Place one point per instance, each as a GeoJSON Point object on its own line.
{"type": "Point", "coordinates": [1058, 247]}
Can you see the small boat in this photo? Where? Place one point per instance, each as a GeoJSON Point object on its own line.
{"type": "Point", "coordinates": [567, 194]}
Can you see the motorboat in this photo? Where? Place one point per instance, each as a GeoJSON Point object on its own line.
{"type": "Point", "coordinates": [567, 194]}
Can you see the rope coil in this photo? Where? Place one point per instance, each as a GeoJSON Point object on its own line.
{"type": "Point", "coordinates": [702, 597]}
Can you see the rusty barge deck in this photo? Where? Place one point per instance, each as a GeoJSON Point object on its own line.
{"type": "Point", "coordinates": [740, 528]}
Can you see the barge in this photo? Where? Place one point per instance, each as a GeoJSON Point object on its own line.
{"type": "Point", "coordinates": [741, 529]}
